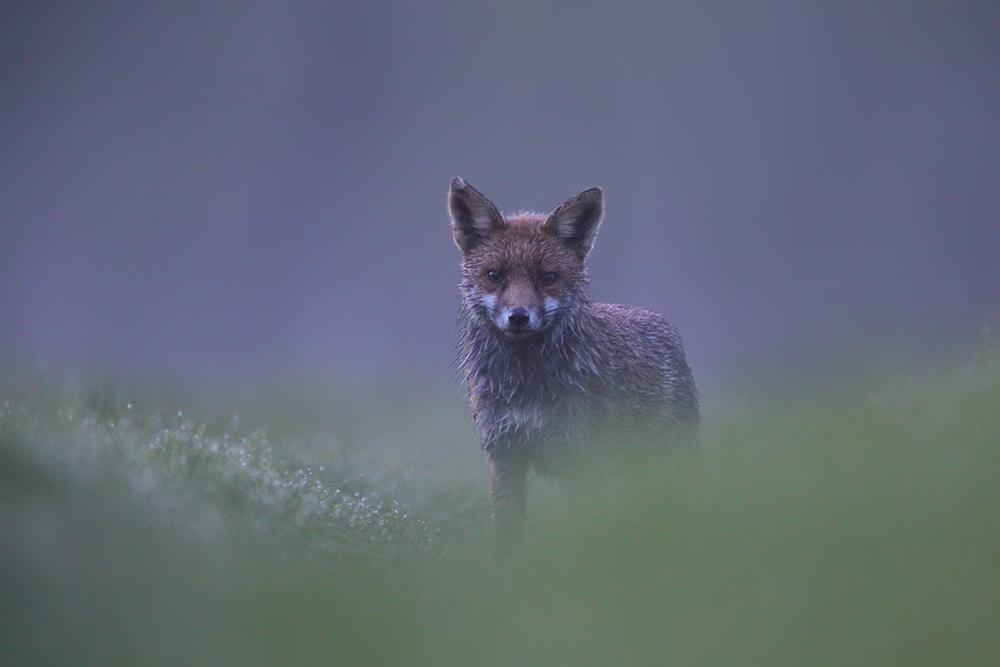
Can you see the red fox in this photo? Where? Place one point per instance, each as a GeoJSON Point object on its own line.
{"type": "Point", "coordinates": [551, 375]}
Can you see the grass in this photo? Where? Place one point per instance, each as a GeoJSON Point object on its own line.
{"type": "Point", "coordinates": [826, 525]}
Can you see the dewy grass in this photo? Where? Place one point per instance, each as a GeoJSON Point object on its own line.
{"type": "Point", "coordinates": [855, 525]}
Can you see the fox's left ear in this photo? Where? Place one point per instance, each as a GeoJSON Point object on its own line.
{"type": "Point", "coordinates": [577, 220]}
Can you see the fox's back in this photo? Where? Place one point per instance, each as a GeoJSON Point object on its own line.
{"type": "Point", "coordinates": [640, 363]}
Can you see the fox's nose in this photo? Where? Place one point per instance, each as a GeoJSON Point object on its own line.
{"type": "Point", "coordinates": [518, 318]}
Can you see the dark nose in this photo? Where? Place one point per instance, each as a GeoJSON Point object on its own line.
{"type": "Point", "coordinates": [518, 318]}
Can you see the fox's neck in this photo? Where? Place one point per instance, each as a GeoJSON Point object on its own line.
{"type": "Point", "coordinates": [549, 361]}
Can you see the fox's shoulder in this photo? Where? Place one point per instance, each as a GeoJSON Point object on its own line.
{"type": "Point", "coordinates": [630, 318]}
{"type": "Point", "coordinates": [633, 332]}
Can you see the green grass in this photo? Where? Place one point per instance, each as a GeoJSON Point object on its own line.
{"type": "Point", "coordinates": [852, 524]}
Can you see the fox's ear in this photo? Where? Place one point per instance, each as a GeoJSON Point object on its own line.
{"type": "Point", "coordinates": [577, 220]}
{"type": "Point", "coordinates": [473, 217]}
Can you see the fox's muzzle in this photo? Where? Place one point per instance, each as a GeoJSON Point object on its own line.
{"type": "Point", "coordinates": [518, 322]}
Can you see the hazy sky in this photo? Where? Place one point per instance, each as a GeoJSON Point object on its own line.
{"type": "Point", "coordinates": [209, 189]}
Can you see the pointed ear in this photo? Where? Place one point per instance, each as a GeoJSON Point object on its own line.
{"type": "Point", "coordinates": [577, 220]}
{"type": "Point", "coordinates": [473, 217]}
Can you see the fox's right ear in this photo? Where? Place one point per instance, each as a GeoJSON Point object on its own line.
{"type": "Point", "coordinates": [473, 217]}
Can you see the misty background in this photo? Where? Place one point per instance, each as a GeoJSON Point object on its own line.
{"type": "Point", "coordinates": [214, 191]}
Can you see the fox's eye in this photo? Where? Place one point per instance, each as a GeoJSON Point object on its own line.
{"type": "Point", "coordinates": [495, 276]}
{"type": "Point", "coordinates": [548, 278]}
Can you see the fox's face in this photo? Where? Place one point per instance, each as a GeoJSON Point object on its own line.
{"type": "Point", "coordinates": [522, 273]}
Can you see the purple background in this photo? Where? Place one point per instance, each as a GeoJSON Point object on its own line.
{"type": "Point", "coordinates": [207, 191]}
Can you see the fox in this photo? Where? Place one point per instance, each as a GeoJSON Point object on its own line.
{"type": "Point", "coordinates": [554, 379]}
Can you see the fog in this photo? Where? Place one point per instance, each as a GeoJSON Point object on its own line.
{"type": "Point", "coordinates": [210, 191]}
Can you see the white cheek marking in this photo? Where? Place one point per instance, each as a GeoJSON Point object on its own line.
{"type": "Point", "coordinates": [489, 300]}
{"type": "Point", "coordinates": [551, 305]}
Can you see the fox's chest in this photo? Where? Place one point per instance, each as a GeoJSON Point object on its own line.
{"type": "Point", "coordinates": [536, 413]}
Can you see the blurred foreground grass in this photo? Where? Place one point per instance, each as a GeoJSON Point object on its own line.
{"type": "Point", "coordinates": [857, 524]}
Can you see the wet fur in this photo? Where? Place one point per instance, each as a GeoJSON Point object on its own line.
{"type": "Point", "coordinates": [552, 399]}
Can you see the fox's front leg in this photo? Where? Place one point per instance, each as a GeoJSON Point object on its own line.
{"type": "Point", "coordinates": [509, 494]}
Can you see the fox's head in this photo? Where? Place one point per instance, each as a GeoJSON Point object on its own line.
{"type": "Point", "coordinates": [523, 273]}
